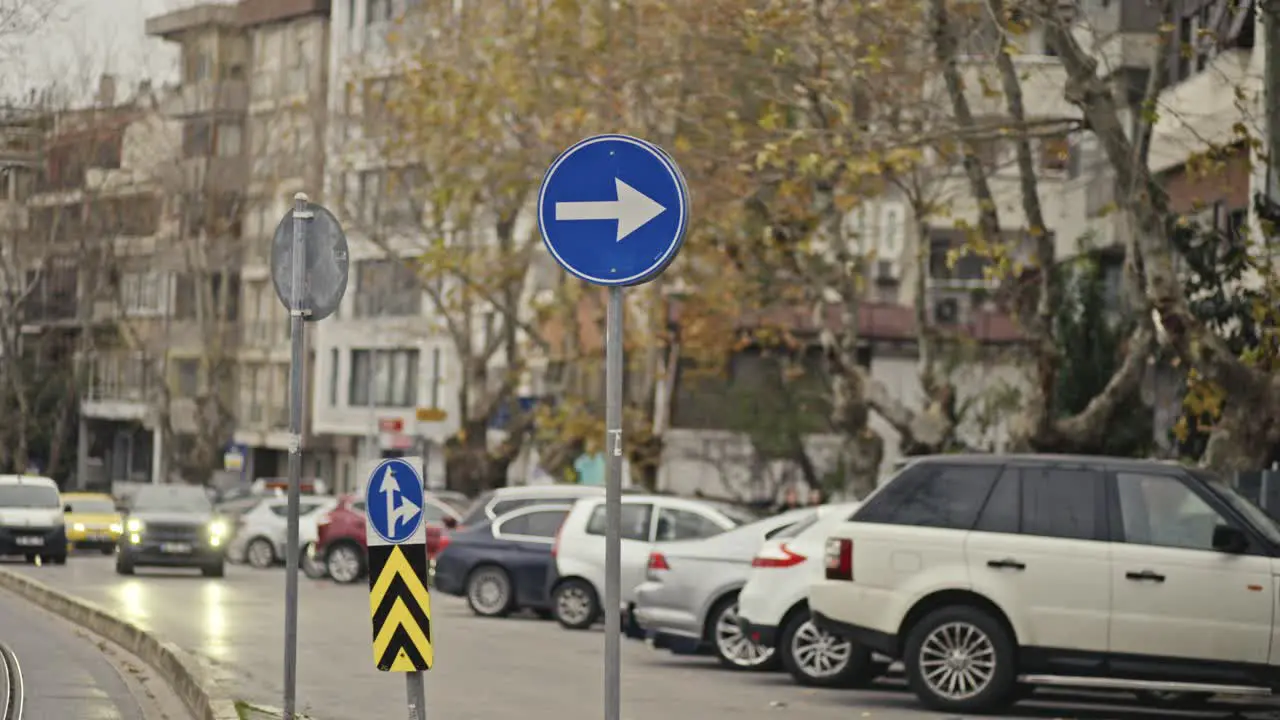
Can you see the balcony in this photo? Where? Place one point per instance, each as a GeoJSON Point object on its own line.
{"type": "Point", "coordinates": [119, 387]}
{"type": "Point", "coordinates": [172, 24]}
{"type": "Point", "coordinates": [227, 96]}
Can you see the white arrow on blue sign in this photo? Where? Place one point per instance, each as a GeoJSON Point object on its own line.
{"type": "Point", "coordinates": [393, 500]}
{"type": "Point", "coordinates": [613, 210]}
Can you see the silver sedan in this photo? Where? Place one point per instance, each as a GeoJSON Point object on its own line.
{"type": "Point", "coordinates": [688, 602]}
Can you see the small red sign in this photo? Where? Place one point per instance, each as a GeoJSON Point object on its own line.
{"type": "Point", "coordinates": [391, 425]}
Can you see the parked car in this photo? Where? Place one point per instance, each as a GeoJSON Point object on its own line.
{"type": "Point", "coordinates": [500, 501]}
{"type": "Point", "coordinates": [689, 599]}
{"type": "Point", "coordinates": [578, 584]}
{"type": "Point", "coordinates": [173, 526]}
{"type": "Point", "coordinates": [261, 534]}
{"type": "Point", "coordinates": [502, 566]}
{"type": "Point", "coordinates": [988, 574]}
{"type": "Point", "coordinates": [340, 535]}
{"type": "Point", "coordinates": [773, 606]}
{"type": "Point", "coordinates": [32, 518]}
{"type": "Point", "coordinates": [92, 521]}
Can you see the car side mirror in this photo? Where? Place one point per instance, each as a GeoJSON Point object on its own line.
{"type": "Point", "coordinates": [1229, 539]}
{"type": "Point", "coordinates": [450, 522]}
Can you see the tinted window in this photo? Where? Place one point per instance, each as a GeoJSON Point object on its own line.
{"type": "Point", "coordinates": [941, 496]}
{"type": "Point", "coordinates": [1003, 510]}
{"type": "Point", "coordinates": [172, 498]}
{"type": "Point", "coordinates": [304, 508]}
{"type": "Point", "coordinates": [1061, 503]}
{"type": "Point", "coordinates": [635, 521]}
{"type": "Point", "coordinates": [28, 496]}
{"type": "Point", "coordinates": [92, 505]}
{"type": "Point", "coordinates": [1161, 510]}
{"type": "Point", "coordinates": [544, 523]}
{"type": "Point", "coordinates": [676, 524]}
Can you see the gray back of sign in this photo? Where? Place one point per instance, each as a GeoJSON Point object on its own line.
{"type": "Point", "coordinates": [328, 263]}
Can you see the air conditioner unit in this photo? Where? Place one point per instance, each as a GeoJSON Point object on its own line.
{"type": "Point", "coordinates": [946, 311]}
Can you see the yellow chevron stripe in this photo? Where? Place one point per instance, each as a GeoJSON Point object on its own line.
{"type": "Point", "coordinates": [400, 617]}
{"type": "Point", "coordinates": [398, 567]}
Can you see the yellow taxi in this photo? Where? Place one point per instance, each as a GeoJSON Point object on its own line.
{"type": "Point", "coordinates": [92, 521]}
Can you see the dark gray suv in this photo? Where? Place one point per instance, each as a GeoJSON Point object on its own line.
{"type": "Point", "coordinates": [173, 526]}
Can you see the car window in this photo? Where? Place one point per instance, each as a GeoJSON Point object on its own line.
{"type": "Point", "coordinates": [1061, 503]}
{"type": "Point", "coordinates": [98, 506]}
{"type": "Point", "coordinates": [304, 508]}
{"type": "Point", "coordinates": [502, 507]}
{"type": "Point", "coordinates": [1256, 516]}
{"type": "Point", "coordinates": [635, 521]}
{"type": "Point", "coordinates": [540, 523]}
{"type": "Point", "coordinates": [476, 513]}
{"type": "Point", "coordinates": [1161, 510]}
{"type": "Point", "coordinates": [28, 496]}
{"type": "Point", "coordinates": [946, 496]}
{"type": "Point", "coordinates": [1003, 511]}
{"type": "Point", "coordinates": [676, 524]}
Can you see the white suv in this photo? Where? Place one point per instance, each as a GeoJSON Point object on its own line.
{"type": "Point", "coordinates": [578, 584]}
{"type": "Point", "coordinates": [989, 575]}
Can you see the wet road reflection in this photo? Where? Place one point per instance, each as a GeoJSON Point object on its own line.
{"type": "Point", "coordinates": [517, 668]}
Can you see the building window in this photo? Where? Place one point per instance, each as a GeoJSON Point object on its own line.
{"type": "Point", "coordinates": [197, 138]}
{"type": "Point", "coordinates": [377, 11]}
{"type": "Point", "coordinates": [229, 139]}
{"type": "Point", "coordinates": [369, 196]}
{"type": "Point", "coordinates": [334, 356]}
{"type": "Point", "coordinates": [1055, 154]}
{"type": "Point", "coordinates": [186, 373]}
{"type": "Point", "coordinates": [388, 288]}
{"type": "Point", "coordinates": [144, 293]}
{"type": "Point", "coordinates": [383, 378]}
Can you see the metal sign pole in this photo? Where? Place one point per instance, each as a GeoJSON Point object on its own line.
{"type": "Point", "coordinates": [297, 329]}
{"type": "Point", "coordinates": [613, 508]}
{"type": "Point", "coordinates": [417, 695]}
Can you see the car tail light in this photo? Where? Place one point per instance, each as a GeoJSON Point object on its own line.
{"type": "Point", "coordinates": [783, 557]}
{"type": "Point", "coordinates": [555, 547]}
{"type": "Point", "coordinates": [658, 561]}
{"type": "Point", "coordinates": [839, 559]}
{"type": "Point", "coordinates": [442, 543]}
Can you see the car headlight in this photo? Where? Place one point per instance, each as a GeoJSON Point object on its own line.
{"type": "Point", "coordinates": [134, 525]}
{"type": "Point", "coordinates": [117, 528]}
{"type": "Point", "coordinates": [79, 527]}
{"type": "Point", "coordinates": [217, 528]}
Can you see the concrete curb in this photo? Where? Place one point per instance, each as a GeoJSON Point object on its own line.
{"type": "Point", "coordinates": [177, 669]}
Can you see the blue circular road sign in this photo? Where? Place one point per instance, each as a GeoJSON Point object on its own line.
{"type": "Point", "coordinates": [393, 500]}
{"type": "Point", "coordinates": [613, 210]}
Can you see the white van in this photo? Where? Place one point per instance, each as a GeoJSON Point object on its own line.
{"type": "Point", "coordinates": [32, 523]}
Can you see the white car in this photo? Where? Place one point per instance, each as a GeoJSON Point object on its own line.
{"type": "Point", "coordinates": [32, 518]}
{"type": "Point", "coordinates": [773, 606]}
{"type": "Point", "coordinates": [990, 574]}
{"type": "Point", "coordinates": [577, 590]}
{"type": "Point", "coordinates": [262, 532]}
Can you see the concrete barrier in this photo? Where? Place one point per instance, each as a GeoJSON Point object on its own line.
{"type": "Point", "coordinates": [175, 667]}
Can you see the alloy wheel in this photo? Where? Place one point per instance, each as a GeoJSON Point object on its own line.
{"type": "Point", "coordinates": [818, 653]}
{"type": "Point", "coordinates": [734, 645]}
{"type": "Point", "coordinates": [957, 661]}
{"type": "Point", "coordinates": [344, 564]}
{"type": "Point", "coordinates": [573, 605]}
{"type": "Point", "coordinates": [260, 554]}
{"type": "Point", "coordinates": [489, 592]}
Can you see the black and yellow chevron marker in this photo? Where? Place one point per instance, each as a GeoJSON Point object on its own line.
{"type": "Point", "coordinates": [401, 608]}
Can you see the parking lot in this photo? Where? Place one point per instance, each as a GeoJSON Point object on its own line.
{"type": "Point", "coordinates": [514, 668]}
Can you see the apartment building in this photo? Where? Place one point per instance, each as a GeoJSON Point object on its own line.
{"type": "Point", "coordinates": [288, 81]}
{"type": "Point", "coordinates": [382, 356]}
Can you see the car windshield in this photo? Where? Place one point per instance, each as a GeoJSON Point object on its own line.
{"type": "Point", "coordinates": [92, 506]}
{"type": "Point", "coordinates": [1256, 516]}
{"type": "Point", "coordinates": [28, 496]}
{"type": "Point", "coordinates": [475, 512]}
{"type": "Point", "coordinates": [172, 498]}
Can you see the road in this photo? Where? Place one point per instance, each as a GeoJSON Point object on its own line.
{"type": "Point", "coordinates": [67, 674]}
{"type": "Point", "coordinates": [513, 668]}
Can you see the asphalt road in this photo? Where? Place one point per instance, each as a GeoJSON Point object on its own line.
{"type": "Point", "coordinates": [65, 674]}
{"type": "Point", "coordinates": [514, 668]}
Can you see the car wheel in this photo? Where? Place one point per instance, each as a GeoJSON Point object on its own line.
{"type": "Point", "coordinates": [575, 604]}
{"type": "Point", "coordinates": [260, 553]}
{"type": "Point", "coordinates": [214, 571]}
{"type": "Point", "coordinates": [489, 591]}
{"type": "Point", "coordinates": [960, 659]}
{"type": "Point", "coordinates": [816, 658]}
{"type": "Point", "coordinates": [345, 563]}
{"type": "Point", "coordinates": [731, 645]}
{"type": "Point", "coordinates": [312, 565]}
{"type": "Point", "coordinates": [123, 566]}
{"type": "Point", "coordinates": [1174, 700]}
